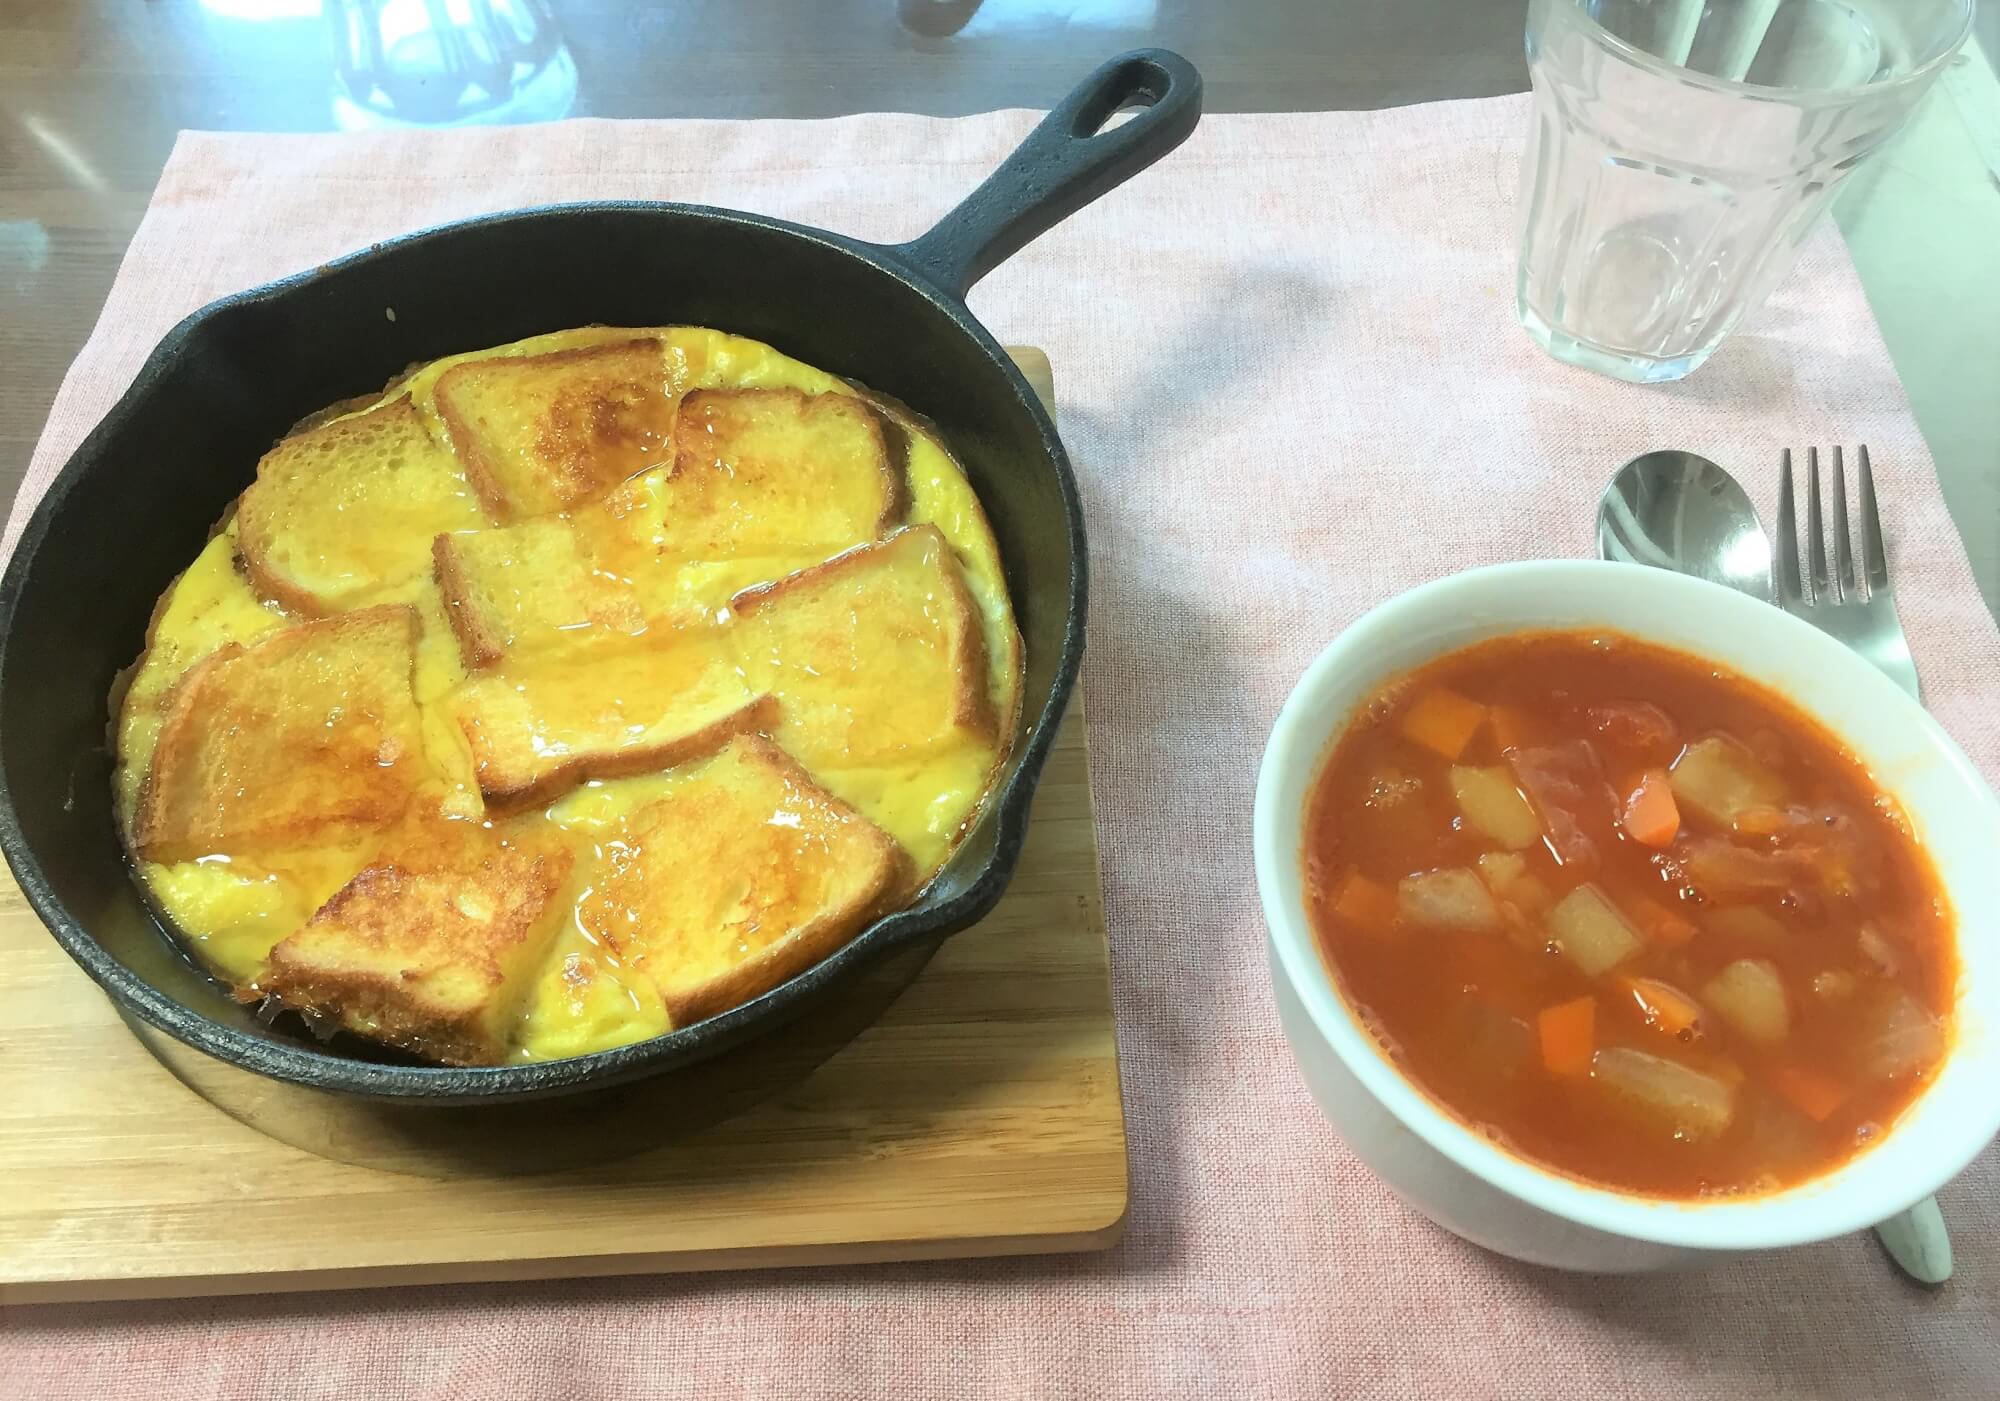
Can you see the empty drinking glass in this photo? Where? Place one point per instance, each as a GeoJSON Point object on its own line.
{"type": "Point", "coordinates": [1682, 149]}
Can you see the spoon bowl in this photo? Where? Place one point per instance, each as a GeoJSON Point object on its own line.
{"type": "Point", "coordinates": [1676, 510]}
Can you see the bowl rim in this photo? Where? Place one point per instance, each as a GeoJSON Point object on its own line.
{"type": "Point", "coordinates": [1832, 1204]}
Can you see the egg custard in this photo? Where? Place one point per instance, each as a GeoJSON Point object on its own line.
{"type": "Point", "coordinates": [567, 693]}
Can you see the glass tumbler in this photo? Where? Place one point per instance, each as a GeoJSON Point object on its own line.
{"type": "Point", "coordinates": [1682, 149]}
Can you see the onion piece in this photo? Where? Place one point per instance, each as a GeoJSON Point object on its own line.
{"type": "Point", "coordinates": [1745, 924]}
{"type": "Point", "coordinates": [1453, 898]}
{"type": "Point", "coordinates": [1684, 1102]}
{"type": "Point", "coordinates": [1895, 1036]}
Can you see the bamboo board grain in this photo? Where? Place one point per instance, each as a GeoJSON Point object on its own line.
{"type": "Point", "coordinates": [980, 1116]}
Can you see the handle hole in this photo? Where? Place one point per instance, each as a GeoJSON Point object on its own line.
{"type": "Point", "coordinates": [1111, 112]}
{"type": "Point", "coordinates": [1124, 114]}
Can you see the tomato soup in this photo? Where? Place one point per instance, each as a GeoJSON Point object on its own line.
{"type": "Point", "coordinates": [1634, 918]}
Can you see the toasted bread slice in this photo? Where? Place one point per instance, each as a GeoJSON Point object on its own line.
{"type": "Point", "coordinates": [436, 944]}
{"type": "Point", "coordinates": [345, 509]}
{"type": "Point", "coordinates": [941, 493]}
{"type": "Point", "coordinates": [763, 469]}
{"type": "Point", "coordinates": [532, 581]}
{"type": "Point", "coordinates": [297, 736]}
{"type": "Point", "coordinates": [602, 710]}
{"type": "Point", "coordinates": [876, 655]}
{"type": "Point", "coordinates": [743, 874]}
{"type": "Point", "coordinates": [772, 479]}
{"type": "Point", "coordinates": [540, 433]}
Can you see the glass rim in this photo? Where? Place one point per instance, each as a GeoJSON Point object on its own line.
{"type": "Point", "coordinates": [1654, 63]}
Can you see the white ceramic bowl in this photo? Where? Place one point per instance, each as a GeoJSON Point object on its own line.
{"type": "Point", "coordinates": [1452, 1174]}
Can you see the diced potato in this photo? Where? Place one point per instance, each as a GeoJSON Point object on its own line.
{"type": "Point", "coordinates": [1591, 932]}
{"type": "Point", "coordinates": [1719, 779]}
{"type": "Point", "coordinates": [1748, 924]}
{"type": "Point", "coordinates": [1750, 995]}
{"type": "Point", "coordinates": [1501, 869]}
{"type": "Point", "coordinates": [1835, 985]}
{"type": "Point", "coordinates": [1684, 1102]}
{"type": "Point", "coordinates": [1877, 948]}
{"type": "Point", "coordinates": [1894, 1035]}
{"type": "Point", "coordinates": [1495, 807]}
{"type": "Point", "coordinates": [1454, 898]}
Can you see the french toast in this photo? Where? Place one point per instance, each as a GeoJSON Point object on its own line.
{"type": "Point", "coordinates": [346, 509]}
{"type": "Point", "coordinates": [771, 478]}
{"type": "Point", "coordinates": [745, 873]}
{"type": "Point", "coordinates": [654, 611]}
{"type": "Point", "coordinates": [603, 711]}
{"type": "Point", "coordinates": [433, 946]}
{"type": "Point", "coordinates": [303, 733]}
{"type": "Point", "coordinates": [875, 655]}
{"type": "Point", "coordinates": [540, 433]}
{"type": "Point", "coordinates": [534, 580]}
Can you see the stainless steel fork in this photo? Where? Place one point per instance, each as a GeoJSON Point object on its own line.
{"type": "Point", "coordinates": [1855, 607]}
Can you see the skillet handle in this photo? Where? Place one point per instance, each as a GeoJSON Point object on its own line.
{"type": "Point", "coordinates": [1066, 162]}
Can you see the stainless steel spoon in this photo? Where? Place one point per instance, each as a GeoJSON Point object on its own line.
{"type": "Point", "coordinates": [1677, 511]}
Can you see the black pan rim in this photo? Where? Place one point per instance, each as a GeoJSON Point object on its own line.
{"type": "Point", "coordinates": [1008, 805]}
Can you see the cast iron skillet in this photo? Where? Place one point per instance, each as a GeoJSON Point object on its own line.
{"type": "Point", "coordinates": [135, 504]}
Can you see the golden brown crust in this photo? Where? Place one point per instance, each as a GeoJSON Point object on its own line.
{"type": "Point", "coordinates": [311, 727]}
{"type": "Point", "coordinates": [334, 495]}
{"type": "Point", "coordinates": [583, 440]}
{"type": "Point", "coordinates": [816, 879]}
{"type": "Point", "coordinates": [508, 789]}
{"type": "Point", "coordinates": [431, 946]}
{"type": "Point", "coordinates": [480, 644]}
{"type": "Point", "coordinates": [728, 410]}
{"type": "Point", "coordinates": [971, 706]}
{"type": "Point", "coordinates": [908, 422]}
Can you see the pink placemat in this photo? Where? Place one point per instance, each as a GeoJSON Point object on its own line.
{"type": "Point", "coordinates": [1288, 370]}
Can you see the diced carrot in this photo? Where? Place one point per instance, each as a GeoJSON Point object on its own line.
{"type": "Point", "coordinates": [1568, 1033]}
{"type": "Point", "coordinates": [1659, 923]}
{"type": "Point", "coordinates": [1443, 721]}
{"type": "Point", "coordinates": [1368, 905]}
{"type": "Point", "coordinates": [1663, 1006]}
{"type": "Point", "coordinates": [1759, 822]}
{"type": "Point", "coordinates": [1509, 726]}
{"type": "Point", "coordinates": [1651, 816]}
{"type": "Point", "coordinates": [1814, 1096]}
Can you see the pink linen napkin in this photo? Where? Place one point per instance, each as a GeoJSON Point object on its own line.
{"type": "Point", "coordinates": [1288, 370]}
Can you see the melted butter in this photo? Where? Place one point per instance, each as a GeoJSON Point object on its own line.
{"type": "Point", "coordinates": [233, 911]}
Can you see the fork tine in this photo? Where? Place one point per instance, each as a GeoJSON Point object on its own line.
{"type": "Point", "coordinates": [1788, 536]}
{"type": "Point", "coordinates": [1843, 551]}
{"type": "Point", "coordinates": [1822, 582]}
{"type": "Point", "coordinates": [1873, 554]}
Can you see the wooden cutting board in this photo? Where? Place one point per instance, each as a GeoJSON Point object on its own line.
{"type": "Point", "coordinates": [979, 1116]}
